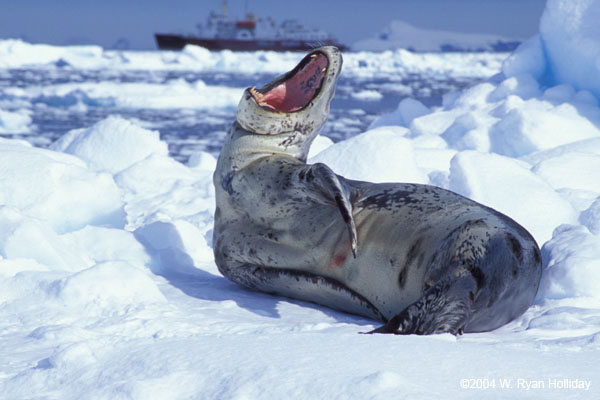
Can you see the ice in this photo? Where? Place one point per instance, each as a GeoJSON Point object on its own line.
{"type": "Point", "coordinates": [572, 170]}
{"type": "Point", "coordinates": [378, 155]}
{"type": "Point", "coordinates": [44, 184]}
{"type": "Point", "coordinates": [572, 273]}
{"type": "Point", "coordinates": [590, 218]}
{"type": "Point", "coordinates": [399, 34]}
{"type": "Point", "coordinates": [367, 95]}
{"type": "Point", "coordinates": [202, 160]}
{"type": "Point", "coordinates": [15, 53]}
{"type": "Point", "coordinates": [407, 110]}
{"type": "Point", "coordinates": [538, 125]}
{"type": "Point", "coordinates": [571, 39]}
{"type": "Point", "coordinates": [511, 188]}
{"type": "Point", "coordinates": [111, 145]}
{"type": "Point", "coordinates": [527, 59]}
{"type": "Point", "coordinates": [108, 287]}
{"type": "Point", "coordinates": [14, 121]}
{"type": "Point", "coordinates": [173, 94]}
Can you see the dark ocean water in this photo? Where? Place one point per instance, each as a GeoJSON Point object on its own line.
{"type": "Point", "coordinates": [188, 130]}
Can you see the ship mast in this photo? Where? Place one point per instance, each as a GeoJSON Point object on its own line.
{"type": "Point", "coordinates": [224, 7]}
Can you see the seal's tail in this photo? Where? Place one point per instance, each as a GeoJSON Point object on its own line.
{"type": "Point", "coordinates": [445, 307]}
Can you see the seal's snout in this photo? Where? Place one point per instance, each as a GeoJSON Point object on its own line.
{"type": "Point", "coordinates": [297, 101]}
{"type": "Point", "coordinates": [297, 88]}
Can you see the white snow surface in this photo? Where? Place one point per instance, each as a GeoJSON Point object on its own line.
{"type": "Point", "coordinates": [108, 287]}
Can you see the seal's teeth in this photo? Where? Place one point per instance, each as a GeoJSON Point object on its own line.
{"type": "Point", "coordinates": [258, 95]}
{"type": "Point", "coordinates": [313, 56]}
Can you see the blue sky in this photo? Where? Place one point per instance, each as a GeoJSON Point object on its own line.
{"type": "Point", "coordinates": [106, 21]}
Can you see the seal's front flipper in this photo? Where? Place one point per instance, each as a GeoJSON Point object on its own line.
{"type": "Point", "coordinates": [327, 183]}
{"type": "Point", "coordinates": [444, 308]}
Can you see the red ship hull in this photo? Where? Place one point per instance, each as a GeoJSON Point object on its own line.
{"type": "Point", "coordinates": [178, 42]}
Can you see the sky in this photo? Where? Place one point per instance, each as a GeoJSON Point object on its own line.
{"type": "Point", "coordinates": [105, 22]}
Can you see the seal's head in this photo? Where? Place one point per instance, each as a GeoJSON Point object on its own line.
{"type": "Point", "coordinates": [297, 103]}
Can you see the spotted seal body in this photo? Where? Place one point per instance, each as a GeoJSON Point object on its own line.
{"type": "Point", "coordinates": [420, 258]}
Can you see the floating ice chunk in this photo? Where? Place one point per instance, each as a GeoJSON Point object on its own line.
{"type": "Point", "coordinates": [572, 170]}
{"type": "Point", "coordinates": [574, 272]}
{"type": "Point", "coordinates": [57, 188]}
{"type": "Point", "coordinates": [108, 286]}
{"type": "Point", "coordinates": [379, 155]}
{"type": "Point", "coordinates": [511, 188]}
{"type": "Point", "coordinates": [538, 125]}
{"type": "Point", "coordinates": [366, 95]}
{"type": "Point", "coordinates": [591, 217]}
{"type": "Point", "coordinates": [112, 144]}
{"type": "Point", "coordinates": [528, 58]}
{"type": "Point", "coordinates": [15, 53]}
{"type": "Point", "coordinates": [197, 53]}
{"type": "Point", "coordinates": [408, 109]}
{"type": "Point", "coordinates": [15, 121]}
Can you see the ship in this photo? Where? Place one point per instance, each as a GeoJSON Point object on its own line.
{"type": "Point", "coordinates": [220, 32]}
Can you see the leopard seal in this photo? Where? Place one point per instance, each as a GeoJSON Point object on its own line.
{"type": "Point", "coordinates": [419, 258]}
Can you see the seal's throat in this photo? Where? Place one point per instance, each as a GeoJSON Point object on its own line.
{"type": "Point", "coordinates": [294, 90]}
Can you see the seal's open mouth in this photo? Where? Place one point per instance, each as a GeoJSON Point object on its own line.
{"type": "Point", "coordinates": [294, 90]}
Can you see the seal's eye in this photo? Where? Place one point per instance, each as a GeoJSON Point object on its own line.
{"type": "Point", "coordinates": [297, 88]}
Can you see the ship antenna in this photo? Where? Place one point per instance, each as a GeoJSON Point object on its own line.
{"type": "Point", "coordinates": [225, 7]}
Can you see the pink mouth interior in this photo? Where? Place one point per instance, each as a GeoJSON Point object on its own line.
{"type": "Point", "coordinates": [296, 92]}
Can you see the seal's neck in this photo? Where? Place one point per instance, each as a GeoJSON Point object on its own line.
{"type": "Point", "coordinates": [244, 147]}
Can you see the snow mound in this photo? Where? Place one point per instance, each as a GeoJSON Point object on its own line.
{"type": "Point", "coordinates": [511, 188]}
{"type": "Point", "coordinates": [111, 145]}
{"type": "Point", "coordinates": [575, 273]}
{"type": "Point", "coordinates": [44, 184]}
{"type": "Point", "coordinates": [108, 285]}
{"type": "Point", "coordinates": [408, 109]}
{"type": "Point", "coordinates": [379, 155]}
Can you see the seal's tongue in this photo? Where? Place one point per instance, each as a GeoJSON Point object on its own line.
{"type": "Point", "coordinates": [296, 92]}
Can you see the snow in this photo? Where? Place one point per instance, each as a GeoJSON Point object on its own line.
{"type": "Point", "coordinates": [402, 35]}
{"type": "Point", "coordinates": [108, 287]}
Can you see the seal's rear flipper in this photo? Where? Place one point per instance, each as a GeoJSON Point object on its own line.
{"type": "Point", "coordinates": [444, 308]}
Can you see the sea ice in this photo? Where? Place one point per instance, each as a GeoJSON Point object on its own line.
{"type": "Point", "coordinates": [108, 288]}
